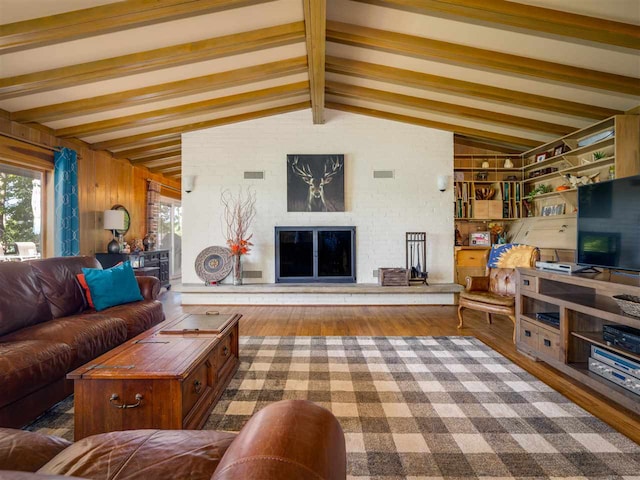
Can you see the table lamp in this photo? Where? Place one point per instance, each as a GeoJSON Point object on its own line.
{"type": "Point", "coordinates": [113, 220]}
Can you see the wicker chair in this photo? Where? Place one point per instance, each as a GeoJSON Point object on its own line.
{"type": "Point", "coordinates": [495, 292]}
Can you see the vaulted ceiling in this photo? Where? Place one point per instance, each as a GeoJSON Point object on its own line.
{"type": "Point", "coordinates": [130, 77]}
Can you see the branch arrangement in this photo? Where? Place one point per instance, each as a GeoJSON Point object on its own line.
{"type": "Point", "coordinates": [239, 212]}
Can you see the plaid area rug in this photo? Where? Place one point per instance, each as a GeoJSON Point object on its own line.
{"type": "Point", "coordinates": [420, 407]}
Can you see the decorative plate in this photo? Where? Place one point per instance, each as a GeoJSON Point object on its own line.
{"type": "Point", "coordinates": [213, 264]}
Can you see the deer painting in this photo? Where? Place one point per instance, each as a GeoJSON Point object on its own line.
{"type": "Point", "coordinates": [308, 176]}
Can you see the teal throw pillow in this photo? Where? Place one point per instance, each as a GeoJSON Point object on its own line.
{"type": "Point", "coordinates": [113, 286]}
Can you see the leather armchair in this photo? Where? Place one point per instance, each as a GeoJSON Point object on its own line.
{"type": "Point", "coordinates": [290, 439]}
{"type": "Point", "coordinates": [495, 293]}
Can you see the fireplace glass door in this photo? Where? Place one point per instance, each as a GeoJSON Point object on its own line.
{"type": "Point", "coordinates": [315, 254]}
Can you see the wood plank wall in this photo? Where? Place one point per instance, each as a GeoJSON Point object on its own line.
{"type": "Point", "coordinates": [103, 182]}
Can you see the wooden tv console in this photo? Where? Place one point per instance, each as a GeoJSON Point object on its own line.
{"type": "Point", "coordinates": [585, 304]}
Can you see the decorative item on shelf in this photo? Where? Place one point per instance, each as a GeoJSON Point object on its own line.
{"type": "Point", "coordinates": [541, 156]}
{"type": "Point", "coordinates": [538, 190]}
{"type": "Point", "coordinates": [485, 193]}
{"type": "Point", "coordinates": [498, 234]}
{"type": "Point", "coordinates": [213, 264]}
{"type": "Point", "coordinates": [508, 163]}
{"type": "Point", "coordinates": [238, 214]}
{"type": "Point", "coordinates": [562, 188]}
{"type": "Point", "coordinates": [482, 176]}
{"type": "Point", "coordinates": [458, 237]}
{"type": "Point", "coordinates": [575, 182]}
{"type": "Point", "coordinates": [137, 245]}
{"type": "Point", "coordinates": [114, 221]}
{"type": "Point", "coordinates": [630, 304]}
{"type": "Point", "coordinates": [558, 150]}
{"type": "Point", "coordinates": [528, 207]}
{"type": "Point", "coordinates": [596, 138]}
{"type": "Point", "coordinates": [480, 239]}
{"type": "Point", "coordinates": [485, 164]}
{"type": "Point", "coordinates": [612, 172]}
{"type": "Point", "coordinates": [599, 155]}
{"type": "Point", "coordinates": [126, 248]}
{"type": "Point", "coordinates": [511, 178]}
{"type": "Point", "coordinates": [551, 210]}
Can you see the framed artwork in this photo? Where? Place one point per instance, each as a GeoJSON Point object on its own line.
{"type": "Point", "coordinates": [315, 183]}
{"type": "Point", "coordinates": [541, 156]}
{"type": "Point", "coordinates": [558, 150]}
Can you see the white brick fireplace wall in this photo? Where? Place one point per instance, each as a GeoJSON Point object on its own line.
{"type": "Point", "coordinates": [382, 210]}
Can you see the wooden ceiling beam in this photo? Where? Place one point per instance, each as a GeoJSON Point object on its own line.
{"type": "Point", "coordinates": [486, 144]}
{"type": "Point", "coordinates": [166, 168]}
{"type": "Point", "coordinates": [167, 133]}
{"type": "Point", "coordinates": [150, 149]}
{"type": "Point", "coordinates": [151, 60]}
{"type": "Point", "coordinates": [426, 105]}
{"type": "Point", "coordinates": [158, 156]}
{"type": "Point", "coordinates": [428, 49]}
{"type": "Point", "coordinates": [528, 17]}
{"type": "Point", "coordinates": [165, 91]}
{"type": "Point", "coordinates": [315, 21]}
{"type": "Point", "coordinates": [409, 78]}
{"type": "Point", "coordinates": [181, 111]}
{"type": "Point", "coordinates": [113, 17]}
{"type": "Point", "coordinates": [506, 139]}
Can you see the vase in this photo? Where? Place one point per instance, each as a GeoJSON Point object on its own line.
{"type": "Point", "coordinates": [237, 270]}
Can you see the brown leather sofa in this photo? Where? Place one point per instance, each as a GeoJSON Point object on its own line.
{"type": "Point", "coordinates": [47, 330]}
{"type": "Point", "coordinates": [290, 439]}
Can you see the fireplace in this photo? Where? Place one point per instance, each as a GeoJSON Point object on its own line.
{"type": "Point", "coordinates": [316, 254]}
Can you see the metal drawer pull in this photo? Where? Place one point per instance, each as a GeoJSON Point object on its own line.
{"type": "Point", "coordinates": [197, 386]}
{"type": "Point", "coordinates": [527, 333]}
{"type": "Point", "coordinates": [225, 351]}
{"type": "Point", "coordinates": [547, 343]}
{"type": "Point", "coordinates": [115, 397]}
{"type": "Point", "coordinates": [525, 282]}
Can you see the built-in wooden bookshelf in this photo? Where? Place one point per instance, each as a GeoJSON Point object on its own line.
{"type": "Point", "coordinates": [604, 150]}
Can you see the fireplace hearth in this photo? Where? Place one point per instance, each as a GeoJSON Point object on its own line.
{"type": "Point", "coordinates": [315, 254]}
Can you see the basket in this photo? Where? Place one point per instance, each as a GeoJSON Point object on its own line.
{"type": "Point", "coordinates": [629, 304]}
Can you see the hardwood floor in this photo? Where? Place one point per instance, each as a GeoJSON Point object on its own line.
{"type": "Point", "coordinates": [410, 320]}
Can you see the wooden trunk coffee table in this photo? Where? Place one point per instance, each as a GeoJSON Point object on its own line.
{"type": "Point", "coordinates": [169, 377]}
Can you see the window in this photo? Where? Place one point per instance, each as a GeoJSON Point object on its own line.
{"type": "Point", "coordinates": [20, 209]}
{"type": "Point", "coordinates": [170, 233]}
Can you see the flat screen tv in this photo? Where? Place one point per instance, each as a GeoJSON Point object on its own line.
{"type": "Point", "coordinates": [609, 224]}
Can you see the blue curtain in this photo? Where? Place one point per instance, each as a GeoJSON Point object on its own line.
{"type": "Point", "coordinates": [67, 215]}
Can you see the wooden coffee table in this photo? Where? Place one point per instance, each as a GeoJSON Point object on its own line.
{"type": "Point", "coordinates": [165, 378]}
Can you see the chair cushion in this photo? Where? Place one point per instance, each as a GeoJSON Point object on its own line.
{"type": "Point", "coordinates": [28, 365]}
{"type": "Point", "coordinates": [88, 335]}
{"type": "Point", "coordinates": [136, 454]}
{"type": "Point", "coordinates": [139, 316]}
{"type": "Point", "coordinates": [114, 286]}
{"type": "Point", "coordinates": [488, 297]}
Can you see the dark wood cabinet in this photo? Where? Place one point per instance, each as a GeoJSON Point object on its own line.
{"type": "Point", "coordinates": [153, 263]}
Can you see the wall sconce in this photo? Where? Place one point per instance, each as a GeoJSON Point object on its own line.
{"type": "Point", "coordinates": [188, 182]}
{"type": "Point", "coordinates": [442, 182]}
{"type": "Point", "coordinates": [113, 220]}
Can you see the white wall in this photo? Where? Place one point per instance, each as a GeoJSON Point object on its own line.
{"type": "Point", "coordinates": [381, 209]}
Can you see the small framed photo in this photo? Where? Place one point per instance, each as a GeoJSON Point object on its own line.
{"type": "Point", "coordinates": [480, 239]}
{"type": "Point", "coordinates": [541, 156]}
{"type": "Point", "coordinates": [558, 150]}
